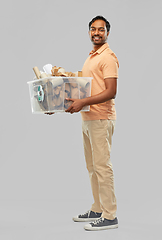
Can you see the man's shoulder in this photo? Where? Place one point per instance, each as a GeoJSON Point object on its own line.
{"type": "Point", "coordinates": [108, 52]}
{"type": "Point", "coordinates": [109, 56]}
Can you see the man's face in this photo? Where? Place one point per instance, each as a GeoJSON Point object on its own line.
{"type": "Point", "coordinates": [98, 32]}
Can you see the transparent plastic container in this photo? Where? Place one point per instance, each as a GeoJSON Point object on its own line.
{"type": "Point", "coordinates": [49, 94]}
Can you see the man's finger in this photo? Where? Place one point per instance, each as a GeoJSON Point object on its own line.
{"type": "Point", "coordinates": [70, 99]}
{"type": "Point", "coordinates": [69, 109]}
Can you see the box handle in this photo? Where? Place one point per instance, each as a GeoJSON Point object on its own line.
{"type": "Point", "coordinates": [40, 94]}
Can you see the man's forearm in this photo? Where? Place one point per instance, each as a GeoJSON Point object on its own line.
{"type": "Point", "coordinates": [100, 98]}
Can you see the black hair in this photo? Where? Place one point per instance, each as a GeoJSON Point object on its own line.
{"type": "Point", "coordinates": [100, 18]}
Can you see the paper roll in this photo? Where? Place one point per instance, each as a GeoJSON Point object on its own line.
{"type": "Point", "coordinates": [43, 75]}
{"type": "Point", "coordinates": [79, 73]}
{"type": "Point", "coordinates": [82, 82]}
{"type": "Point", "coordinates": [57, 81]}
{"type": "Point", "coordinates": [37, 72]}
{"type": "Point", "coordinates": [82, 94]}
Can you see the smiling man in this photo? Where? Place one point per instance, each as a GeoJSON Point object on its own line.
{"type": "Point", "coordinates": [98, 126]}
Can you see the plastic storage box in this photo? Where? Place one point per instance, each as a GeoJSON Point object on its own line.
{"type": "Point", "coordinates": [49, 94]}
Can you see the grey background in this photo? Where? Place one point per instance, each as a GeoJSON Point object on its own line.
{"type": "Point", "coordinates": [43, 178]}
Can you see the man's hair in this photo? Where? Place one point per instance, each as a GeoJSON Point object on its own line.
{"type": "Point", "coordinates": [100, 18]}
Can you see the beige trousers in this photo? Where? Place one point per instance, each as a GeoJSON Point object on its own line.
{"type": "Point", "coordinates": [97, 140]}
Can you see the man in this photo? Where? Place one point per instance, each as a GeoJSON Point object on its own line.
{"type": "Point", "coordinates": [98, 126]}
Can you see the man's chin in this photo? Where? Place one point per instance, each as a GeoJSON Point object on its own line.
{"type": "Point", "coordinates": [98, 43]}
{"type": "Point", "coordinates": [95, 43]}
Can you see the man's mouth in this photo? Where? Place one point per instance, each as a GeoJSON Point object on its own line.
{"type": "Point", "coordinates": [96, 38]}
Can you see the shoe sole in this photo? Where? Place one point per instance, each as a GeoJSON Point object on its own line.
{"type": "Point", "coordinates": [90, 228]}
{"type": "Point", "coordinates": [75, 219]}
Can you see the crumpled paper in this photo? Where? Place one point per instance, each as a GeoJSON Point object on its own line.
{"type": "Point", "coordinates": [56, 71]}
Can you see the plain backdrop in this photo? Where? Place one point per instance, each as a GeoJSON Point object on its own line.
{"type": "Point", "coordinates": [42, 168]}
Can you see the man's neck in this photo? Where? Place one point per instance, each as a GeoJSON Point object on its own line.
{"type": "Point", "coordinates": [96, 47]}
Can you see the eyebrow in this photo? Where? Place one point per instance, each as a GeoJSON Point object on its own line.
{"type": "Point", "coordinates": [98, 28]}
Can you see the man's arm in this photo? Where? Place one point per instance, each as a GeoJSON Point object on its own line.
{"type": "Point", "coordinates": [107, 94]}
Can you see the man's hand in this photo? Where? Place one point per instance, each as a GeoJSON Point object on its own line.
{"type": "Point", "coordinates": [76, 106]}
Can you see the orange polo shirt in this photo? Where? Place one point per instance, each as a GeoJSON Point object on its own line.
{"type": "Point", "coordinates": [101, 64]}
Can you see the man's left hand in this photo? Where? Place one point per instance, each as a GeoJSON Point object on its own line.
{"type": "Point", "coordinates": [76, 106]}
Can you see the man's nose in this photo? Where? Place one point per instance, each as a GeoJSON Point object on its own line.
{"type": "Point", "coordinates": [96, 32]}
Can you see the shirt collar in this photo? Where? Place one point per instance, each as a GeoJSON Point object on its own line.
{"type": "Point", "coordinates": [100, 50]}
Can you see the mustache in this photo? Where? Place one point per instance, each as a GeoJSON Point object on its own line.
{"type": "Point", "coordinates": [96, 36]}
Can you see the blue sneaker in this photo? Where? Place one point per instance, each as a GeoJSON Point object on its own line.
{"type": "Point", "coordinates": [87, 217]}
{"type": "Point", "coordinates": [102, 224]}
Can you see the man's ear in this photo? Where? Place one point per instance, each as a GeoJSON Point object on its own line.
{"type": "Point", "coordinates": [108, 33]}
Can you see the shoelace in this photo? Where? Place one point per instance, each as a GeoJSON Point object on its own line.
{"type": "Point", "coordinates": [88, 212]}
{"type": "Point", "coordinates": [97, 221]}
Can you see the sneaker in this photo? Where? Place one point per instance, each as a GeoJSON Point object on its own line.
{"type": "Point", "coordinates": [102, 224]}
{"type": "Point", "coordinates": [87, 217]}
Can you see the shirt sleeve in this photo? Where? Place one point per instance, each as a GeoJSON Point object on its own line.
{"type": "Point", "coordinates": [109, 67]}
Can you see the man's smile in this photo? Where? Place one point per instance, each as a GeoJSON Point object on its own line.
{"type": "Point", "coordinates": [96, 38]}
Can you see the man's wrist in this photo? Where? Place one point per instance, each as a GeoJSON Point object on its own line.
{"type": "Point", "coordinates": [84, 101]}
